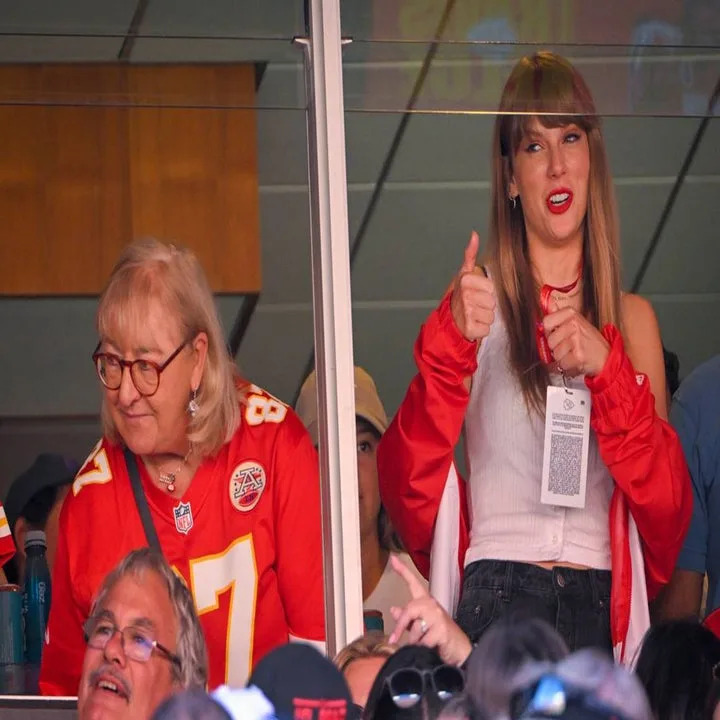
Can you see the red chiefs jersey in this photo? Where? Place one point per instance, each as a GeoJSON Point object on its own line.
{"type": "Point", "coordinates": [245, 537]}
{"type": "Point", "coordinates": [7, 546]}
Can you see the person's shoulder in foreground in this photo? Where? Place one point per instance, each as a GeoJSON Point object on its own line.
{"type": "Point", "coordinates": [694, 415]}
{"type": "Point", "coordinates": [701, 388]}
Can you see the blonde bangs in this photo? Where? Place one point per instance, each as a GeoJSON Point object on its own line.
{"type": "Point", "coordinates": [128, 300]}
{"type": "Point", "coordinates": [546, 88]}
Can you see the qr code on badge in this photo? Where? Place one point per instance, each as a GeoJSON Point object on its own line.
{"type": "Point", "coordinates": [565, 464]}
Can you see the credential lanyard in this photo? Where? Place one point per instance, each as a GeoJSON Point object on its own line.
{"type": "Point", "coordinates": [545, 294]}
{"type": "Point", "coordinates": [141, 501]}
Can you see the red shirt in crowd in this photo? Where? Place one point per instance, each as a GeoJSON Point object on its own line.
{"type": "Point", "coordinates": [7, 546]}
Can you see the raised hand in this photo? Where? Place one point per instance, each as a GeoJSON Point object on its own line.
{"type": "Point", "coordinates": [473, 297]}
{"type": "Point", "coordinates": [576, 344]}
{"type": "Point", "coordinates": [426, 621]}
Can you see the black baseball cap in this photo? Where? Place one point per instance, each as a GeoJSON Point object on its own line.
{"type": "Point", "coordinates": [302, 683]}
{"type": "Point", "coordinates": [48, 470]}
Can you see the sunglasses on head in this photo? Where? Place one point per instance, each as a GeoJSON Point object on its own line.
{"type": "Point", "coordinates": [553, 697]}
{"type": "Point", "coordinates": [408, 685]}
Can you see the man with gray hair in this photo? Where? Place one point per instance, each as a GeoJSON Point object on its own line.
{"type": "Point", "coordinates": [144, 641]}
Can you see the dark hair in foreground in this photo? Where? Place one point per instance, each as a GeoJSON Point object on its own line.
{"type": "Point", "coordinates": [380, 705]}
{"type": "Point", "coordinates": [500, 654]}
{"type": "Point", "coordinates": [593, 685]}
{"type": "Point", "coordinates": [672, 370]}
{"type": "Point", "coordinates": [462, 707]}
{"type": "Point", "coordinates": [679, 666]}
{"type": "Point", "coordinates": [36, 512]}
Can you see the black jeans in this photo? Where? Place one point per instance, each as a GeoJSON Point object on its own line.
{"type": "Point", "coordinates": [575, 602]}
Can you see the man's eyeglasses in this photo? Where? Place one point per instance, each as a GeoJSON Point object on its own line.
{"type": "Point", "coordinates": [407, 685]}
{"type": "Point", "coordinates": [145, 374]}
{"type": "Point", "coordinates": [552, 697]}
{"type": "Point", "coordinates": [137, 643]}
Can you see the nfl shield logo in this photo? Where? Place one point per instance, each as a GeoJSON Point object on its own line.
{"type": "Point", "coordinates": [183, 518]}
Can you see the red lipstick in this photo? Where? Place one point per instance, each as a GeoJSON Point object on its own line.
{"type": "Point", "coordinates": [559, 200]}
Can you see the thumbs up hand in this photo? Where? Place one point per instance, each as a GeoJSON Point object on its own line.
{"type": "Point", "coordinates": [473, 297]}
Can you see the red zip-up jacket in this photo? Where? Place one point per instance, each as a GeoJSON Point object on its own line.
{"type": "Point", "coordinates": [642, 453]}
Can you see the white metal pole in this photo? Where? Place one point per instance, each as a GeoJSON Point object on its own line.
{"type": "Point", "coordinates": [333, 326]}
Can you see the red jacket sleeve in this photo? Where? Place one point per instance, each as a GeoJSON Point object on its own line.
{"type": "Point", "coordinates": [416, 451]}
{"type": "Point", "coordinates": [63, 656]}
{"type": "Point", "coordinates": [298, 533]}
{"type": "Point", "coordinates": [645, 458]}
{"type": "Point", "coordinates": [7, 546]}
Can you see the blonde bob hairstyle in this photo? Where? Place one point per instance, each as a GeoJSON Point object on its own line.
{"type": "Point", "coordinates": [149, 271]}
{"type": "Point", "coordinates": [548, 88]}
{"type": "Point", "coordinates": [373, 644]}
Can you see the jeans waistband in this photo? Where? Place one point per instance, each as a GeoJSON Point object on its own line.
{"type": "Point", "coordinates": [505, 575]}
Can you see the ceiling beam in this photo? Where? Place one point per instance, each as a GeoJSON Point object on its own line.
{"type": "Point", "coordinates": [133, 30]}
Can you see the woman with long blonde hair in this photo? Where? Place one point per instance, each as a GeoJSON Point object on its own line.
{"type": "Point", "coordinates": [582, 527]}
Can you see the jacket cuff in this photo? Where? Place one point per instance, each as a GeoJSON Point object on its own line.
{"type": "Point", "coordinates": [617, 388]}
{"type": "Point", "coordinates": [613, 364]}
{"type": "Point", "coordinates": [449, 347]}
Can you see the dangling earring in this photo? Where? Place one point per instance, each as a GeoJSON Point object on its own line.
{"type": "Point", "coordinates": [193, 405]}
{"type": "Point", "coordinates": [513, 199]}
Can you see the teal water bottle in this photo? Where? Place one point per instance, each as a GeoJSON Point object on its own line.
{"type": "Point", "coordinates": [373, 620]}
{"type": "Point", "coordinates": [36, 596]}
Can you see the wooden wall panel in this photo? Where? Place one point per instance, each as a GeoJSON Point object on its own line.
{"type": "Point", "coordinates": [79, 182]}
{"type": "Point", "coordinates": [191, 168]}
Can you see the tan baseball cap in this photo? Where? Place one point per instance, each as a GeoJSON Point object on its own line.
{"type": "Point", "coordinates": [367, 403]}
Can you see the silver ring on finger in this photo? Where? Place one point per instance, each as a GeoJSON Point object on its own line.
{"type": "Point", "coordinates": [423, 627]}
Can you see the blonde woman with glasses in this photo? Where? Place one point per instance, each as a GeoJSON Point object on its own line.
{"type": "Point", "coordinates": [213, 471]}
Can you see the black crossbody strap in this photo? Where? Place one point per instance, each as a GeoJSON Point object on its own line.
{"type": "Point", "coordinates": [141, 501]}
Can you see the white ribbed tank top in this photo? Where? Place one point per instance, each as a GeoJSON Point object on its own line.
{"type": "Point", "coordinates": [504, 444]}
